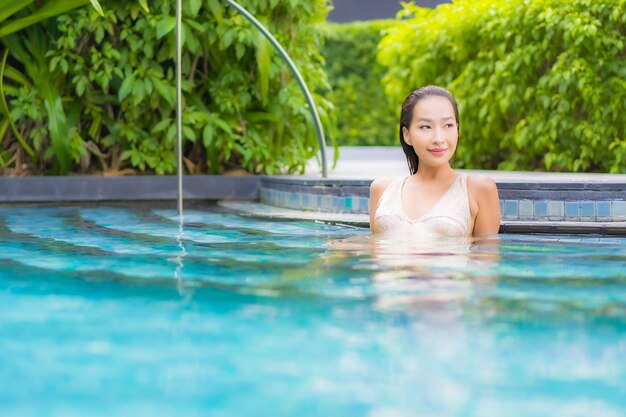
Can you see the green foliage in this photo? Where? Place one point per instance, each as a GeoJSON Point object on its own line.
{"type": "Point", "coordinates": [541, 84]}
{"type": "Point", "coordinates": [28, 49]}
{"type": "Point", "coordinates": [364, 114]}
{"type": "Point", "coordinates": [48, 9]}
{"type": "Point", "coordinates": [242, 107]}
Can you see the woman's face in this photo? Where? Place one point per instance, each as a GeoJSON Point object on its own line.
{"type": "Point", "coordinates": [433, 132]}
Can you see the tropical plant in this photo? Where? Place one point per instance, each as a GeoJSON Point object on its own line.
{"type": "Point", "coordinates": [365, 116]}
{"type": "Point", "coordinates": [541, 84]}
{"type": "Point", "coordinates": [242, 107]}
{"type": "Point", "coordinates": [49, 9]}
{"type": "Point", "coordinates": [36, 81]}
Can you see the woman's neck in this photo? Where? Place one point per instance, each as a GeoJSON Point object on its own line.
{"type": "Point", "coordinates": [430, 173]}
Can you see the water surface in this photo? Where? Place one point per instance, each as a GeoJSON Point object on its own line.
{"type": "Point", "coordinates": [120, 311]}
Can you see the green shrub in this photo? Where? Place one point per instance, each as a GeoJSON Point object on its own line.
{"type": "Point", "coordinates": [242, 107]}
{"type": "Point", "coordinates": [541, 84]}
{"type": "Point", "coordinates": [363, 112]}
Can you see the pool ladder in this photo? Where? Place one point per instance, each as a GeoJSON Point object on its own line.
{"type": "Point", "coordinates": [278, 47]}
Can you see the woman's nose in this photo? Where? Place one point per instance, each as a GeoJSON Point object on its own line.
{"type": "Point", "coordinates": [438, 136]}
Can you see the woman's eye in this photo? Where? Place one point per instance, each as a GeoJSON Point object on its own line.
{"type": "Point", "coordinates": [449, 125]}
{"type": "Point", "coordinates": [424, 127]}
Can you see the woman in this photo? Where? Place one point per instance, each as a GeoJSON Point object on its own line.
{"type": "Point", "coordinates": [435, 200]}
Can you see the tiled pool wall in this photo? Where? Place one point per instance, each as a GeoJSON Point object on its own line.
{"type": "Point", "coordinates": [519, 201]}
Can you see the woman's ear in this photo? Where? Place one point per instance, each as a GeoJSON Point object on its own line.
{"type": "Point", "coordinates": [405, 135]}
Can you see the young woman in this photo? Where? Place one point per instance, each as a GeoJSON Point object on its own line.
{"type": "Point", "coordinates": [435, 200]}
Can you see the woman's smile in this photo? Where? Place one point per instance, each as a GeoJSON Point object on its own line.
{"type": "Point", "coordinates": [438, 151]}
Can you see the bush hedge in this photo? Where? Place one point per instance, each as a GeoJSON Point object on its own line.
{"type": "Point", "coordinates": [364, 114]}
{"type": "Point", "coordinates": [541, 84]}
{"type": "Point", "coordinates": [111, 81]}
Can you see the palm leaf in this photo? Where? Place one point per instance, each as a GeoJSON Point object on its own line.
{"type": "Point", "coordinates": [57, 126]}
{"type": "Point", "coordinates": [9, 7]}
{"type": "Point", "coordinates": [263, 60]}
{"type": "Point", "coordinates": [49, 9]}
{"type": "Point", "coordinates": [5, 109]}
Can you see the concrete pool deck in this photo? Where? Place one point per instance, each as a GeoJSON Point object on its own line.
{"type": "Point", "coordinates": [367, 163]}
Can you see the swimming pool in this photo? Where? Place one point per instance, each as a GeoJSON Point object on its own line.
{"type": "Point", "coordinates": [120, 311]}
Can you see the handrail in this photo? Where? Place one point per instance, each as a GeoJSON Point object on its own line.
{"type": "Point", "coordinates": [305, 90]}
{"type": "Point", "coordinates": [179, 112]}
{"type": "Point", "coordinates": [268, 35]}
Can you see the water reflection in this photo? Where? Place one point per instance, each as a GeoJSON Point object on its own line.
{"type": "Point", "coordinates": [424, 272]}
{"type": "Point", "coordinates": [512, 278]}
{"type": "Point", "coordinates": [183, 290]}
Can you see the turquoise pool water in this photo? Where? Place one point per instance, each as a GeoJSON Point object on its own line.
{"type": "Point", "coordinates": [114, 311]}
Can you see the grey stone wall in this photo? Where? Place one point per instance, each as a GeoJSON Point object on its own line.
{"type": "Point", "coordinates": [352, 10]}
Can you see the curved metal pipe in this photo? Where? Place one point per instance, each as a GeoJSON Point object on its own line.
{"type": "Point", "coordinates": [305, 90]}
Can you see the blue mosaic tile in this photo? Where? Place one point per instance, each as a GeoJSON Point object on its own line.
{"type": "Point", "coordinates": [587, 209]}
{"type": "Point", "coordinates": [318, 201]}
{"type": "Point", "coordinates": [556, 209]}
{"type": "Point", "coordinates": [364, 204]}
{"type": "Point", "coordinates": [501, 206]}
{"type": "Point", "coordinates": [339, 203]}
{"type": "Point", "coordinates": [619, 210]}
{"type": "Point", "coordinates": [603, 209]}
{"type": "Point", "coordinates": [571, 209]}
{"type": "Point", "coordinates": [510, 208]}
{"type": "Point", "coordinates": [305, 200]}
{"type": "Point", "coordinates": [327, 202]}
{"type": "Point", "coordinates": [347, 203]}
{"type": "Point", "coordinates": [293, 199]}
{"type": "Point", "coordinates": [541, 208]}
{"type": "Point", "coordinates": [526, 208]}
{"type": "Point", "coordinates": [356, 204]}
{"type": "Point", "coordinates": [313, 199]}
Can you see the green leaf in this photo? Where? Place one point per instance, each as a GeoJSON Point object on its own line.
{"type": "Point", "coordinates": [165, 26]}
{"type": "Point", "coordinates": [159, 127]}
{"type": "Point", "coordinates": [5, 109]}
{"type": "Point", "coordinates": [50, 9]}
{"type": "Point", "coordinates": [96, 5]}
{"type": "Point", "coordinates": [207, 136]}
{"type": "Point", "coordinates": [126, 87]}
{"type": "Point", "coordinates": [144, 5]}
{"type": "Point", "coordinates": [193, 7]}
{"type": "Point", "coordinates": [189, 133]}
{"type": "Point", "coordinates": [57, 126]}
{"type": "Point", "coordinates": [9, 7]}
{"type": "Point", "coordinates": [166, 91]}
{"type": "Point", "coordinates": [263, 61]}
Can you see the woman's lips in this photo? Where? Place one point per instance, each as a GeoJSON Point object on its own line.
{"type": "Point", "coordinates": [437, 152]}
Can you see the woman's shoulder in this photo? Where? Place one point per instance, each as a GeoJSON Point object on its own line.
{"type": "Point", "coordinates": [379, 185]}
{"type": "Point", "coordinates": [481, 185]}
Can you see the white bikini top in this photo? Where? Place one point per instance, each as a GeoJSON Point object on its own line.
{"type": "Point", "coordinates": [450, 216]}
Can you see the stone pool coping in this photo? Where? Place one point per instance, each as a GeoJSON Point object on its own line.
{"type": "Point", "coordinates": [261, 210]}
{"type": "Point", "coordinates": [127, 188]}
{"type": "Point", "coordinates": [585, 199]}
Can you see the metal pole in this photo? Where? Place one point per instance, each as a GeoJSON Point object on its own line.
{"type": "Point", "coordinates": [179, 105]}
{"type": "Point", "coordinates": [305, 90]}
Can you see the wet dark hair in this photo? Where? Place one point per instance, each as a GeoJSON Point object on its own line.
{"type": "Point", "coordinates": [407, 115]}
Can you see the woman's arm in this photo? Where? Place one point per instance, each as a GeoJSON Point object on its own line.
{"type": "Point", "coordinates": [376, 191]}
{"type": "Point", "coordinates": [486, 196]}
